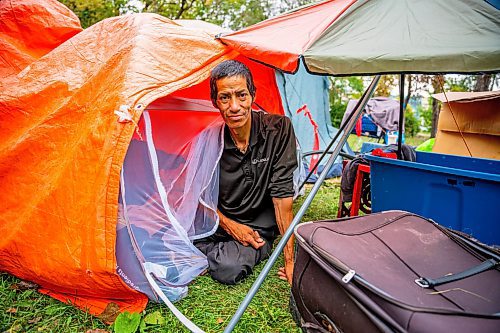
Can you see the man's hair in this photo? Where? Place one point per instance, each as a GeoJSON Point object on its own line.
{"type": "Point", "coordinates": [230, 68]}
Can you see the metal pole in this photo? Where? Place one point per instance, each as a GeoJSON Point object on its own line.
{"type": "Point", "coordinates": [307, 202]}
{"type": "Point", "coordinates": [401, 113]}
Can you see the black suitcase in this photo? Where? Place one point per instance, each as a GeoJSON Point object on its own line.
{"type": "Point", "coordinates": [393, 272]}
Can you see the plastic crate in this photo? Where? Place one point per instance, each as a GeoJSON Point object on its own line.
{"type": "Point", "coordinates": [461, 193]}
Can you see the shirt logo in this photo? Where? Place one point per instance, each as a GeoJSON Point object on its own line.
{"type": "Point", "coordinates": [256, 160]}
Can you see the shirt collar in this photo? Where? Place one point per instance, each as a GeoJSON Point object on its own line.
{"type": "Point", "coordinates": [256, 131]}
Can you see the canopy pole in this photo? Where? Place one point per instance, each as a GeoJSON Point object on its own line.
{"type": "Point", "coordinates": [307, 202]}
{"type": "Point", "coordinates": [401, 113]}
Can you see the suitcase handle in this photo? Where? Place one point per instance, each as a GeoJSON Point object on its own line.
{"type": "Point", "coordinates": [430, 283]}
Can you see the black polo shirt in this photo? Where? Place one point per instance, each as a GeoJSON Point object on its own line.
{"type": "Point", "coordinates": [249, 181]}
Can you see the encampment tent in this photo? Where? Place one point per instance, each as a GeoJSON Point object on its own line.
{"type": "Point", "coordinates": [382, 114]}
{"type": "Point", "coordinates": [305, 99]}
{"type": "Point", "coordinates": [130, 89]}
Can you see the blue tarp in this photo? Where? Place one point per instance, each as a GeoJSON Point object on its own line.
{"type": "Point", "coordinates": [306, 92]}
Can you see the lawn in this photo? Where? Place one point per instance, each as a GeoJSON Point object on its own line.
{"type": "Point", "coordinates": [209, 304]}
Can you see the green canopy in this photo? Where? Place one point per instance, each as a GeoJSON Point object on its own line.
{"type": "Point", "coordinates": [342, 37]}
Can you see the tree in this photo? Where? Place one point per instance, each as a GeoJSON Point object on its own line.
{"type": "Point", "coordinates": [341, 90]}
{"type": "Point", "coordinates": [286, 5]}
{"type": "Point", "coordinates": [411, 122]}
{"type": "Point", "coordinates": [437, 85]}
{"type": "Point", "coordinates": [386, 84]}
{"type": "Point", "coordinates": [172, 10]}
{"type": "Point", "coordinates": [234, 14]}
{"type": "Point", "coordinates": [483, 82]}
{"type": "Point", "coordinates": [92, 11]}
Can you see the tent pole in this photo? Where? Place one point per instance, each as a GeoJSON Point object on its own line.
{"type": "Point", "coordinates": [307, 202]}
{"type": "Point", "coordinates": [401, 113]}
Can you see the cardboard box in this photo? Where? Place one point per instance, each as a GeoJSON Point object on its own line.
{"type": "Point", "coordinates": [469, 122]}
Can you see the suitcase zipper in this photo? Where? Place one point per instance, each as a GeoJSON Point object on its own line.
{"type": "Point", "coordinates": [377, 291]}
{"type": "Point", "coordinates": [343, 268]}
{"type": "Point", "coordinates": [348, 277]}
{"type": "Point", "coordinates": [349, 273]}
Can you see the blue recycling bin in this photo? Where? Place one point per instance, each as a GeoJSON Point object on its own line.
{"type": "Point", "coordinates": [461, 193]}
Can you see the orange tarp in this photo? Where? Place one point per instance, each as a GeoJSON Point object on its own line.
{"type": "Point", "coordinates": [62, 146]}
{"type": "Point", "coordinates": [30, 29]}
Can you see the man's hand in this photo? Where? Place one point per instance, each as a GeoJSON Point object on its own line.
{"type": "Point", "coordinates": [240, 232]}
{"type": "Point", "coordinates": [284, 216]}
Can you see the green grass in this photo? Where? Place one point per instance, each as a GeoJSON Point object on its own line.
{"type": "Point", "coordinates": [209, 304]}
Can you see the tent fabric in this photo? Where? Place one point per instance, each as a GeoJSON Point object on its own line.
{"type": "Point", "coordinates": [305, 99]}
{"type": "Point", "coordinates": [66, 124]}
{"type": "Point", "coordinates": [167, 201]}
{"type": "Point", "coordinates": [383, 111]}
{"type": "Point", "coordinates": [281, 40]}
{"type": "Point", "coordinates": [303, 89]}
{"type": "Point", "coordinates": [379, 36]}
{"type": "Point", "coordinates": [30, 29]}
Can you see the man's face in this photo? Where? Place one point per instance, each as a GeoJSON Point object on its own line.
{"type": "Point", "coordinates": [234, 101]}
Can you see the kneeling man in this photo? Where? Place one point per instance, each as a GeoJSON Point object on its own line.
{"type": "Point", "coordinates": [256, 179]}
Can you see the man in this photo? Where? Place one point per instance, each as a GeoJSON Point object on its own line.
{"type": "Point", "coordinates": [256, 179]}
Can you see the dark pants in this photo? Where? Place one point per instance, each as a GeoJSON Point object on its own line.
{"type": "Point", "coordinates": [229, 261]}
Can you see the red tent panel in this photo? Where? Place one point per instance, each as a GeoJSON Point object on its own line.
{"type": "Point", "coordinates": [281, 40]}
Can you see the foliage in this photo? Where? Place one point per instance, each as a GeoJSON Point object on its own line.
{"type": "Point", "coordinates": [92, 11]}
{"type": "Point", "coordinates": [459, 83]}
{"type": "Point", "coordinates": [343, 89]}
{"type": "Point", "coordinates": [286, 5]}
{"type": "Point", "coordinates": [426, 115]}
{"type": "Point", "coordinates": [484, 82]}
{"type": "Point", "coordinates": [127, 322]}
{"type": "Point", "coordinates": [386, 85]}
{"type": "Point", "coordinates": [337, 111]}
{"type": "Point", "coordinates": [234, 14]}
{"type": "Point", "coordinates": [411, 122]}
